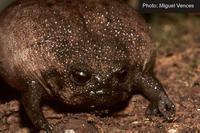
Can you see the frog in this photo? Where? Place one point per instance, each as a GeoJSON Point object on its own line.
{"type": "Point", "coordinates": [86, 54]}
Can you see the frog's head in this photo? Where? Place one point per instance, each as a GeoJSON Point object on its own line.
{"type": "Point", "coordinates": [94, 74]}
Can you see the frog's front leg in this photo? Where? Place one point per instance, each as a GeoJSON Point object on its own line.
{"type": "Point", "coordinates": [152, 89]}
{"type": "Point", "coordinates": [31, 99]}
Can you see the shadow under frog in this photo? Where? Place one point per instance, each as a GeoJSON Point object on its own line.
{"type": "Point", "coordinates": [89, 54]}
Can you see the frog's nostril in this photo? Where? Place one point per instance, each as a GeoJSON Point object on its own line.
{"type": "Point", "coordinates": [122, 74]}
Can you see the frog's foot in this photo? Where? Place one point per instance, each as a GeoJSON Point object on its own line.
{"type": "Point", "coordinates": [48, 128]}
{"type": "Point", "coordinates": [43, 124]}
{"type": "Point", "coordinates": [162, 107]}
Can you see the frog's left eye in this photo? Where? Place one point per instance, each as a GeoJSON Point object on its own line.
{"type": "Point", "coordinates": [80, 77]}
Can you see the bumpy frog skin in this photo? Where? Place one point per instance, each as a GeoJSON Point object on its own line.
{"type": "Point", "coordinates": [90, 53]}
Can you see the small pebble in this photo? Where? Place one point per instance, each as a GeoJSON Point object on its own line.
{"type": "Point", "coordinates": [69, 131]}
{"type": "Point", "coordinates": [135, 122]}
{"type": "Point", "coordinates": [23, 130]}
{"type": "Point", "coordinates": [12, 119]}
{"type": "Point", "coordinates": [172, 131]}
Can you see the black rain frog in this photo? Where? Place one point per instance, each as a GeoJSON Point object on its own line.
{"type": "Point", "coordinates": [91, 53]}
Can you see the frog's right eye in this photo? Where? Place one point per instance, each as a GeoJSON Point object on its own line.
{"type": "Point", "coordinates": [80, 77]}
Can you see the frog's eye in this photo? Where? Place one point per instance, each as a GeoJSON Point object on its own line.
{"type": "Point", "coordinates": [80, 77]}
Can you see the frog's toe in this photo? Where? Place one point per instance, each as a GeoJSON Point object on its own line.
{"type": "Point", "coordinates": [151, 111]}
{"type": "Point", "coordinates": [163, 107]}
{"type": "Point", "coordinates": [42, 124]}
{"type": "Point", "coordinates": [167, 109]}
{"type": "Point", "coordinates": [48, 128]}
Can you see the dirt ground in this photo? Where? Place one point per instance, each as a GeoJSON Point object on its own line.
{"type": "Point", "coordinates": [178, 68]}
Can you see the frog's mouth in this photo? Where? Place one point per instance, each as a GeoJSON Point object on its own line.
{"type": "Point", "coordinates": [108, 99]}
{"type": "Point", "coordinates": [102, 98]}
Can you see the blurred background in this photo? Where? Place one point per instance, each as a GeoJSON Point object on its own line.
{"type": "Point", "coordinates": [4, 4]}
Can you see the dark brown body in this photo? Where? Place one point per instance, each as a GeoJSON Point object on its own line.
{"type": "Point", "coordinates": [91, 53]}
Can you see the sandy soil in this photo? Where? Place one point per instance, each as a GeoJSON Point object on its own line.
{"type": "Point", "coordinates": [178, 68]}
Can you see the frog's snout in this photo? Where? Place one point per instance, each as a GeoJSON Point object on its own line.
{"type": "Point", "coordinates": [110, 83]}
{"type": "Point", "coordinates": [113, 79]}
